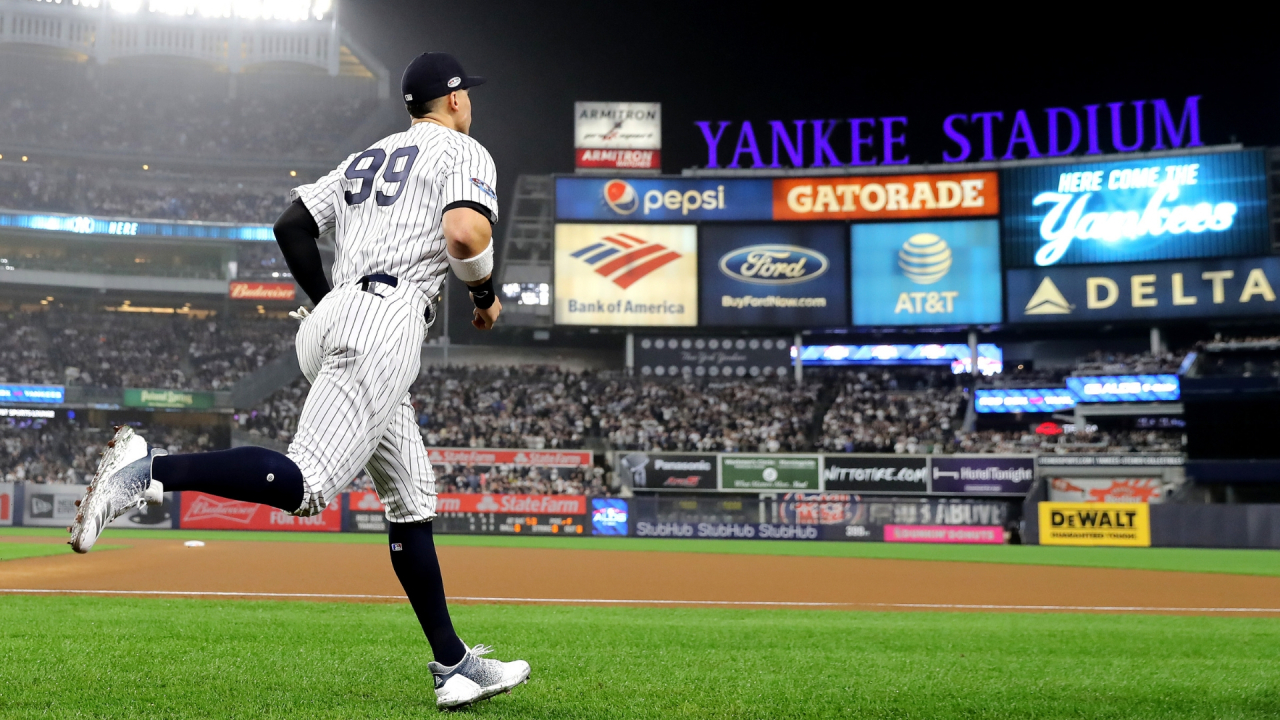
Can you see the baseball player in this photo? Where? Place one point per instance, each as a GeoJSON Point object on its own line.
{"type": "Point", "coordinates": [411, 206]}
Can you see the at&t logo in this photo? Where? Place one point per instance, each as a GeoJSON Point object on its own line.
{"type": "Point", "coordinates": [925, 259]}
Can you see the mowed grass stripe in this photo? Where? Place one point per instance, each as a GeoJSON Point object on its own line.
{"type": "Point", "coordinates": [1200, 560]}
{"type": "Point", "coordinates": [116, 658]}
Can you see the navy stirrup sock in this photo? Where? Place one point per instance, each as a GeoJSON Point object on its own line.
{"type": "Point", "coordinates": [413, 555]}
{"type": "Point", "coordinates": [251, 474]}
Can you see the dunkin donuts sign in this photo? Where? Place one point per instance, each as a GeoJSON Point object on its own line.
{"type": "Point", "coordinates": [262, 291]}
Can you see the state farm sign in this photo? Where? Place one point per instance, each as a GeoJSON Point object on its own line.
{"type": "Point", "coordinates": [512, 504]}
{"type": "Point", "coordinates": [524, 458]}
{"type": "Point", "coordinates": [209, 512]}
{"type": "Point", "coordinates": [262, 291]}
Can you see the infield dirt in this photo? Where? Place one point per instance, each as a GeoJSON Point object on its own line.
{"type": "Point", "coordinates": [538, 574]}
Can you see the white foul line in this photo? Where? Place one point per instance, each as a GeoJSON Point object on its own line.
{"type": "Point", "coordinates": [598, 601]}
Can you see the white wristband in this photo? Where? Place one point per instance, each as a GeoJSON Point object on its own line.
{"type": "Point", "coordinates": [475, 268]}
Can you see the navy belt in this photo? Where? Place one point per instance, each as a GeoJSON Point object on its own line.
{"type": "Point", "coordinates": [393, 281]}
{"type": "Point", "coordinates": [383, 278]}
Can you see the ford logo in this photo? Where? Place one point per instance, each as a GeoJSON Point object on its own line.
{"type": "Point", "coordinates": [774, 264]}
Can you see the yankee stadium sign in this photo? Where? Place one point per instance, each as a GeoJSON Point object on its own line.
{"type": "Point", "coordinates": [1121, 127]}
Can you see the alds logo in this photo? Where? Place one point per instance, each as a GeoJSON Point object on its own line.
{"type": "Point", "coordinates": [774, 264]}
{"type": "Point", "coordinates": [625, 259]}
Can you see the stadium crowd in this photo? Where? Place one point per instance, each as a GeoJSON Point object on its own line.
{"type": "Point", "coordinates": [112, 192]}
{"type": "Point", "coordinates": [59, 451]}
{"type": "Point", "coordinates": [60, 107]}
{"type": "Point", "coordinates": [139, 350]}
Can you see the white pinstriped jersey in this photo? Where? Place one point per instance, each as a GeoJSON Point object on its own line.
{"type": "Point", "coordinates": [386, 203]}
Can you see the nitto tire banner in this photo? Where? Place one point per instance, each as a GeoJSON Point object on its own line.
{"type": "Point", "coordinates": [670, 472]}
{"type": "Point", "coordinates": [7, 504]}
{"type": "Point", "coordinates": [1089, 524]}
{"type": "Point", "coordinates": [769, 472]}
{"type": "Point", "coordinates": [875, 474]}
{"type": "Point", "coordinates": [209, 512]}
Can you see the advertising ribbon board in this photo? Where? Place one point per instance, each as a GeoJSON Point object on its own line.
{"type": "Point", "coordinates": [1108, 490]}
{"type": "Point", "coordinates": [261, 291]}
{"type": "Point", "coordinates": [32, 393]}
{"type": "Point", "coordinates": [646, 200]}
{"type": "Point", "coordinates": [1088, 524]}
{"type": "Point", "coordinates": [519, 458]}
{"type": "Point", "coordinates": [875, 474]}
{"type": "Point", "coordinates": [668, 471]}
{"type": "Point", "coordinates": [490, 514]}
{"type": "Point", "coordinates": [6, 504]}
{"type": "Point", "coordinates": [214, 513]}
{"type": "Point", "coordinates": [365, 512]}
{"type": "Point", "coordinates": [155, 398]}
{"type": "Point", "coordinates": [626, 275]}
{"type": "Point", "coordinates": [887, 197]}
{"type": "Point", "coordinates": [926, 273]}
{"type": "Point", "coordinates": [769, 472]}
{"type": "Point", "coordinates": [775, 275]}
{"type": "Point", "coordinates": [725, 531]}
{"type": "Point", "coordinates": [49, 505]}
{"type": "Point", "coordinates": [1241, 287]}
{"type": "Point", "coordinates": [879, 518]}
{"type": "Point", "coordinates": [982, 475]}
{"type": "Point", "coordinates": [1190, 206]}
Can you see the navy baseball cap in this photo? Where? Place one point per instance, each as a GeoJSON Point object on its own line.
{"type": "Point", "coordinates": [432, 75]}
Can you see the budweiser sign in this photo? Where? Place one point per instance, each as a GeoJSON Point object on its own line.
{"type": "Point", "coordinates": [513, 504]}
{"type": "Point", "coordinates": [262, 291]}
{"type": "Point", "coordinates": [524, 458]}
{"type": "Point", "coordinates": [214, 513]}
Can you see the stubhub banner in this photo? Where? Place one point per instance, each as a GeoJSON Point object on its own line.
{"type": "Point", "coordinates": [1189, 206]}
{"type": "Point", "coordinates": [663, 199]}
{"type": "Point", "coordinates": [775, 275]}
{"type": "Point", "coordinates": [1144, 291]}
{"type": "Point", "coordinates": [926, 273]}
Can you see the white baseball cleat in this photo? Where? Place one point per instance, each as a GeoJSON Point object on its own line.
{"type": "Point", "coordinates": [123, 482]}
{"type": "Point", "coordinates": [475, 678]}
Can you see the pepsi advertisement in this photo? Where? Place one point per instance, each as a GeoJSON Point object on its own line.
{"type": "Point", "coordinates": [774, 275]}
{"type": "Point", "coordinates": [637, 200]}
{"type": "Point", "coordinates": [1188, 206]}
{"type": "Point", "coordinates": [926, 273]}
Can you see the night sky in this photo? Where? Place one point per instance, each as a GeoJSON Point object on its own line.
{"type": "Point", "coordinates": [718, 62]}
{"type": "Point", "coordinates": [808, 61]}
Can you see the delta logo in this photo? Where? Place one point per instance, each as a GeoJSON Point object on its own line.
{"type": "Point", "coordinates": [625, 259]}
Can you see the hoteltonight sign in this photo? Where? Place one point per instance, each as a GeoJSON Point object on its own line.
{"type": "Point", "coordinates": [1120, 127]}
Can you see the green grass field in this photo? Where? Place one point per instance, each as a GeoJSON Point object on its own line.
{"type": "Point", "coordinates": [1245, 562]}
{"type": "Point", "coordinates": [114, 657]}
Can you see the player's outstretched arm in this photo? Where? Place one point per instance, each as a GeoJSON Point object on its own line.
{"type": "Point", "coordinates": [469, 246]}
{"type": "Point", "coordinates": [296, 234]}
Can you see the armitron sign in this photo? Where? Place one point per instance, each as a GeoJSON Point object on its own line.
{"type": "Point", "coordinates": [262, 291]}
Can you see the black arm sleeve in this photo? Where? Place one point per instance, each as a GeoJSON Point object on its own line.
{"type": "Point", "coordinates": [473, 205]}
{"type": "Point", "coordinates": [296, 233]}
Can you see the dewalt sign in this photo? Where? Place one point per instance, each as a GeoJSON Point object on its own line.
{"type": "Point", "coordinates": [1117, 524]}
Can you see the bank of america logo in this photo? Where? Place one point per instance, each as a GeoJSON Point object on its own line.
{"type": "Point", "coordinates": [625, 259]}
